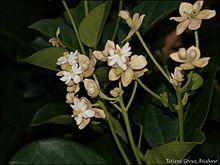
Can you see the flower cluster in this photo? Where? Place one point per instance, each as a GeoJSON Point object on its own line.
{"type": "Point", "coordinates": [77, 68]}
{"type": "Point", "coordinates": [191, 17]}
{"type": "Point", "coordinates": [123, 64]}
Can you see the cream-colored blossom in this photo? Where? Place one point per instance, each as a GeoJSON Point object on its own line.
{"type": "Point", "coordinates": [116, 92]}
{"type": "Point", "coordinates": [134, 23]}
{"type": "Point", "coordinates": [92, 87]}
{"type": "Point", "coordinates": [119, 56]}
{"type": "Point", "coordinates": [136, 68]}
{"type": "Point", "coordinates": [83, 111]}
{"type": "Point", "coordinates": [177, 77]}
{"type": "Point", "coordinates": [190, 58]}
{"type": "Point", "coordinates": [191, 16]}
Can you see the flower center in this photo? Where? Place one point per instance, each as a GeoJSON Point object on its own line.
{"type": "Point", "coordinates": [118, 52]}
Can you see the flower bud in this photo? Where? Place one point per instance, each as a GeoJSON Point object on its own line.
{"type": "Point", "coordinates": [182, 53]}
{"type": "Point", "coordinates": [70, 98]}
{"type": "Point", "coordinates": [124, 14]}
{"type": "Point", "coordinates": [115, 92]}
{"type": "Point", "coordinates": [92, 87]}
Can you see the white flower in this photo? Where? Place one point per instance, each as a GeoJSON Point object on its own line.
{"type": "Point", "coordinates": [190, 58]}
{"type": "Point", "coordinates": [119, 55]}
{"type": "Point", "coordinates": [73, 74]}
{"type": "Point", "coordinates": [177, 77]}
{"type": "Point", "coordinates": [70, 58]}
{"type": "Point", "coordinates": [81, 113]}
{"type": "Point", "coordinates": [191, 16]}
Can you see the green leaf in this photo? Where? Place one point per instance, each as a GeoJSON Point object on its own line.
{"type": "Point", "coordinates": [91, 27]}
{"type": "Point", "coordinates": [118, 128]}
{"type": "Point", "coordinates": [154, 11]}
{"type": "Point", "coordinates": [197, 81]}
{"type": "Point", "coordinates": [107, 150]}
{"type": "Point", "coordinates": [160, 126]}
{"type": "Point", "coordinates": [56, 151]}
{"type": "Point", "coordinates": [46, 58]}
{"type": "Point", "coordinates": [176, 151]}
{"type": "Point", "coordinates": [54, 113]}
{"type": "Point", "coordinates": [198, 107]}
{"type": "Point", "coordinates": [48, 27]}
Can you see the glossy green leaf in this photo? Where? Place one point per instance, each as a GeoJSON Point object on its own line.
{"type": "Point", "coordinates": [92, 25]}
{"type": "Point", "coordinates": [54, 113]}
{"type": "Point", "coordinates": [174, 151]}
{"type": "Point", "coordinates": [197, 81]}
{"type": "Point", "coordinates": [46, 58]}
{"type": "Point", "coordinates": [154, 11]}
{"type": "Point", "coordinates": [198, 107]}
{"type": "Point", "coordinates": [56, 151]}
{"type": "Point", "coordinates": [48, 27]}
{"type": "Point", "coordinates": [160, 126]}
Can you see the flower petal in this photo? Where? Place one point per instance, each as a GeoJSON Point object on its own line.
{"type": "Point", "coordinates": [113, 76]}
{"type": "Point", "coordinates": [99, 113]}
{"type": "Point", "coordinates": [84, 123]}
{"type": "Point", "coordinates": [89, 113]}
{"type": "Point", "coordinates": [140, 73]}
{"type": "Point", "coordinates": [193, 52]}
{"type": "Point", "coordinates": [181, 27]}
{"type": "Point", "coordinates": [202, 62]}
{"type": "Point", "coordinates": [206, 14]}
{"type": "Point", "coordinates": [83, 61]}
{"type": "Point", "coordinates": [175, 57]}
{"type": "Point", "coordinates": [197, 6]}
{"type": "Point", "coordinates": [110, 45]}
{"type": "Point", "coordinates": [194, 23]}
{"type": "Point", "coordinates": [138, 62]}
{"type": "Point", "coordinates": [187, 66]}
{"type": "Point", "coordinates": [185, 8]}
{"type": "Point", "coordinates": [92, 87]}
{"type": "Point", "coordinates": [127, 77]}
{"type": "Point", "coordinates": [99, 55]}
{"type": "Point", "coordinates": [178, 19]}
{"type": "Point", "coordinates": [124, 14]}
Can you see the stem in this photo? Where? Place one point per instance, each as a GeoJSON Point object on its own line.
{"type": "Point", "coordinates": [74, 26]}
{"type": "Point", "coordinates": [148, 90]}
{"type": "Point", "coordinates": [117, 21]}
{"type": "Point", "coordinates": [86, 8]}
{"type": "Point", "coordinates": [101, 104]}
{"type": "Point", "coordinates": [180, 114]}
{"type": "Point", "coordinates": [151, 56]}
{"type": "Point", "coordinates": [140, 136]}
{"type": "Point", "coordinates": [132, 96]}
{"type": "Point", "coordinates": [196, 38]}
{"type": "Point", "coordinates": [184, 88]}
{"type": "Point", "coordinates": [128, 128]}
